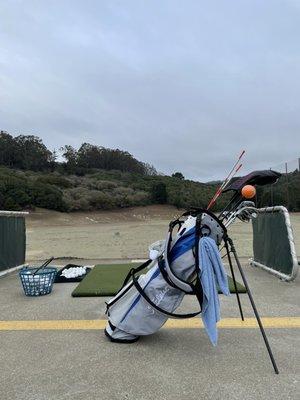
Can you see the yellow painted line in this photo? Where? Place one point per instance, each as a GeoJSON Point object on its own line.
{"type": "Point", "coordinates": [52, 325]}
{"type": "Point", "coordinates": [237, 323]}
{"type": "Point", "coordinates": [225, 323]}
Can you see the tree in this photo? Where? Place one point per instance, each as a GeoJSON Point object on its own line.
{"type": "Point", "coordinates": [150, 169]}
{"type": "Point", "coordinates": [8, 149]}
{"type": "Point", "coordinates": [89, 156]}
{"type": "Point", "coordinates": [28, 152]}
{"type": "Point", "coordinates": [71, 157]}
{"type": "Point", "coordinates": [31, 153]}
{"type": "Point", "coordinates": [178, 175]}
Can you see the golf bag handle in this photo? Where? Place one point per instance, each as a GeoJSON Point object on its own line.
{"type": "Point", "coordinates": [194, 211]}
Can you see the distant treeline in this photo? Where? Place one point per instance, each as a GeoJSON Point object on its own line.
{"type": "Point", "coordinates": [97, 178]}
{"type": "Point", "coordinates": [28, 152]}
{"type": "Point", "coordinates": [90, 178]}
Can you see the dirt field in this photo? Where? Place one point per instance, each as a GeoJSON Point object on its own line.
{"type": "Point", "coordinates": [118, 234]}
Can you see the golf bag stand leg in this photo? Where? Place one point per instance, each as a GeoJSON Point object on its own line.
{"type": "Point", "coordinates": [233, 278]}
{"type": "Point", "coordinates": [232, 248]}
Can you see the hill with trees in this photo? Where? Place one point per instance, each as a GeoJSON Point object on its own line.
{"type": "Point", "coordinates": [97, 178]}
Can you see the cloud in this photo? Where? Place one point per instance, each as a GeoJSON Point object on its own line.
{"type": "Point", "coordinates": [184, 86]}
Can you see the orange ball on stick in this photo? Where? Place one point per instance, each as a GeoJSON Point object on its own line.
{"type": "Point", "coordinates": [248, 191]}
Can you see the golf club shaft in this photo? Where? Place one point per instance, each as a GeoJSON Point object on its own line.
{"type": "Point", "coordinates": [230, 205]}
{"type": "Point", "coordinates": [232, 172]}
{"type": "Point", "coordinates": [47, 262]}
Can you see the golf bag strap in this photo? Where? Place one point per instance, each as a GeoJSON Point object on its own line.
{"type": "Point", "coordinates": [179, 283]}
{"type": "Point", "coordinates": [157, 308]}
{"type": "Point", "coordinates": [122, 291]}
{"type": "Point", "coordinates": [199, 292]}
{"type": "Point", "coordinates": [117, 297]}
{"type": "Point", "coordinates": [164, 274]}
{"type": "Point", "coordinates": [135, 270]}
{"type": "Point", "coordinates": [197, 287]}
{"type": "Point", "coordinates": [192, 211]}
{"type": "Point", "coordinates": [112, 327]}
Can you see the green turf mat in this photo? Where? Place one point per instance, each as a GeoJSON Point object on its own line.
{"type": "Point", "coordinates": [103, 280]}
{"type": "Point", "coordinates": [106, 280]}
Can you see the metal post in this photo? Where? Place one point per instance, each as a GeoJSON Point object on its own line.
{"type": "Point", "coordinates": [287, 186]}
{"type": "Point", "coordinates": [272, 196]}
{"type": "Point", "coordinates": [271, 193]}
{"type": "Point", "coordinates": [253, 306]}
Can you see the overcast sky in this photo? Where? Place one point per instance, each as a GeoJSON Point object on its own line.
{"type": "Point", "coordinates": [184, 85]}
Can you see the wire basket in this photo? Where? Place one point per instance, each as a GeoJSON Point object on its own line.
{"type": "Point", "coordinates": [37, 283]}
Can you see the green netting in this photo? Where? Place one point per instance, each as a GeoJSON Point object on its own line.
{"type": "Point", "coordinates": [271, 245]}
{"type": "Point", "coordinates": [12, 241]}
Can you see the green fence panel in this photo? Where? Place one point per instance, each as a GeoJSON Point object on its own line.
{"type": "Point", "coordinates": [12, 241]}
{"type": "Point", "coordinates": [273, 245]}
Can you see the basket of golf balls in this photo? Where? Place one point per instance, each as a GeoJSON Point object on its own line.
{"type": "Point", "coordinates": [37, 282]}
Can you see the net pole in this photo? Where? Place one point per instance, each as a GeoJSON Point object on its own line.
{"type": "Point", "coordinates": [287, 186]}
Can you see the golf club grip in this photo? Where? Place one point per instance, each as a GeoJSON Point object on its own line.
{"type": "Point", "coordinates": [47, 262]}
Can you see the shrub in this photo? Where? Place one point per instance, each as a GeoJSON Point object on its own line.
{"type": "Point", "coordinates": [76, 204]}
{"type": "Point", "coordinates": [95, 184]}
{"type": "Point", "coordinates": [11, 204]}
{"type": "Point", "coordinates": [159, 193]}
{"type": "Point", "coordinates": [14, 192]}
{"type": "Point", "coordinates": [54, 180]}
{"type": "Point", "coordinates": [101, 201]}
{"type": "Point", "coordinates": [47, 196]}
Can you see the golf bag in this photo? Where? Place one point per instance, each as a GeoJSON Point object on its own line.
{"type": "Point", "coordinates": [145, 302]}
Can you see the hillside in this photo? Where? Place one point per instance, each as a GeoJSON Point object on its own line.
{"type": "Point", "coordinates": [97, 190]}
{"type": "Point", "coordinates": [97, 178]}
{"type": "Point", "coordinates": [89, 178]}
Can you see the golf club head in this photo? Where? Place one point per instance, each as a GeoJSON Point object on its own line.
{"type": "Point", "coordinates": [246, 203]}
{"type": "Point", "coordinates": [246, 211]}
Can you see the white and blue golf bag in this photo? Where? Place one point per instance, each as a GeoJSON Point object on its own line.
{"type": "Point", "coordinates": [145, 302]}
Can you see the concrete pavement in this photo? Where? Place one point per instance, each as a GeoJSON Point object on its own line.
{"type": "Point", "coordinates": [174, 363]}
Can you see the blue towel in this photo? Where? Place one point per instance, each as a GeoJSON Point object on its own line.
{"type": "Point", "coordinates": [211, 271]}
